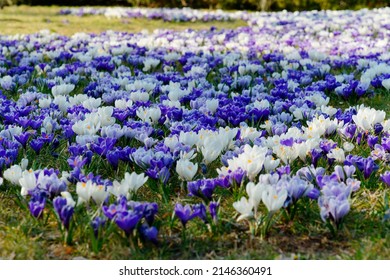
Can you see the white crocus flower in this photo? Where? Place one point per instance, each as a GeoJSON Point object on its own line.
{"type": "Point", "coordinates": [255, 193]}
{"type": "Point", "coordinates": [348, 147]}
{"type": "Point", "coordinates": [171, 142]}
{"type": "Point", "coordinates": [337, 154]}
{"type": "Point", "coordinates": [13, 174]}
{"type": "Point", "coordinates": [92, 103]}
{"type": "Point", "coordinates": [119, 189]}
{"type": "Point", "coordinates": [188, 138]}
{"type": "Point", "coordinates": [99, 193]}
{"type": "Point", "coordinates": [28, 181]}
{"type": "Point", "coordinates": [211, 149]}
{"type": "Point", "coordinates": [270, 163]}
{"type": "Point", "coordinates": [212, 105]}
{"type": "Point", "coordinates": [386, 84]}
{"type": "Point", "coordinates": [135, 181]}
{"type": "Point", "coordinates": [251, 161]}
{"type": "Point", "coordinates": [83, 190]}
{"type": "Point", "coordinates": [273, 199]}
{"type": "Point", "coordinates": [250, 133]}
{"type": "Point", "coordinates": [45, 102]}
{"type": "Point", "coordinates": [366, 117]}
{"type": "Point", "coordinates": [186, 169]}
{"type": "Point", "coordinates": [63, 89]}
{"type": "Point", "coordinates": [149, 115]}
{"type": "Point", "coordinates": [244, 207]}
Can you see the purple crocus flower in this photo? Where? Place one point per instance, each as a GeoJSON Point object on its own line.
{"type": "Point", "coordinates": [113, 157]}
{"type": "Point", "coordinates": [97, 223]}
{"type": "Point", "coordinates": [287, 142]}
{"type": "Point", "coordinates": [279, 128]}
{"type": "Point", "coordinates": [149, 233]}
{"type": "Point", "coordinates": [63, 210]}
{"type": "Point", "coordinates": [185, 213]}
{"type": "Point", "coordinates": [238, 175]}
{"type": "Point", "coordinates": [127, 220]}
{"type": "Point", "coordinates": [146, 209]}
{"type": "Point", "coordinates": [36, 145]}
{"type": "Point", "coordinates": [113, 209]}
{"type": "Point", "coordinates": [372, 140]}
{"type": "Point", "coordinates": [316, 154]}
{"type": "Point", "coordinates": [327, 146]}
{"type": "Point", "coordinates": [37, 203]}
{"type": "Point", "coordinates": [202, 188]}
{"type": "Point", "coordinates": [297, 188]}
{"type": "Point", "coordinates": [77, 162]}
{"type": "Point", "coordinates": [213, 208]}
{"type": "Point", "coordinates": [333, 208]}
{"type": "Point", "coordinates": [283, 170]}
{"type": "Point", "coordinates": [386, 143]}
{"type": "Point", "coordinates": [378, 128]}
{"type": "Point", "coordinates": [369, 167]}
{"type": "Point", "coordinates": [314, 193]}
{"type": "Point", "coordinates": [385, 177]}
{"type": "Point", "coordinates": [200, 211]}
{"type": "Point", "coordinates": [22, 138]}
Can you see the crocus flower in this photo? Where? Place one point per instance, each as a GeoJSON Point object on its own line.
{"type": "Point", "coordinates": [149, 233]}
{"type": "Point", "coordinates": [333, 208]}
{"type": "Point", "coordinates": [64, 210]}
{"type": "Point", "coordinates": [37, 203]}
{"type": "Point", "coordinates": [213, 208]}
{"type": "Point", "coordinates": [97, 223]}
{"type": "Point", "coordinates": [185, 213]}
{"type": "Point", "coordinates": [366, 118]}
{"type": "Point", "coordinates": [385, 177]}
{"type": "Point", "coordinates": [127, 220]}
{"type": "Point", "coordinates": [244, 207]}
{"type": "Point", "coordinates": [28, 181]}
{"type": "Point", "coordinates": [273, 199]}
{"type": "Point", "coordinates": [13, 174]}
{"type": "Point", "coordinates": [36, 145]}
{"type": "Point", "coordinates": [186, 169]}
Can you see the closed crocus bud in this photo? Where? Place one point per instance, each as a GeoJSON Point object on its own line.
{"type": "Point", "coordinates": [348, 147]}
{"type": "Point", "coordinates": [255, 192]}
{"type": "Point", "coordinates": [24, 164]}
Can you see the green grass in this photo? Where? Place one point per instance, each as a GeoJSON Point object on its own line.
{"type": "Point", "coordinates": [27, 20]}
{"type": "Point", "coordinates": [364, 236]}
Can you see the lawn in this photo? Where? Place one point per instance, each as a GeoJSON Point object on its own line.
{"type": "Point", "coordinates": [364, 234]}
{"type": "Point", "coordinates": [27, 20]}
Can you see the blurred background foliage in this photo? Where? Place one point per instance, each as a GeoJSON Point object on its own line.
{"type": "Point", "coordinates": [261, 5]}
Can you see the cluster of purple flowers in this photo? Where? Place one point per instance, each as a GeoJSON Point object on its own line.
{"type": "Point", "coordinates": [129, 214]}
